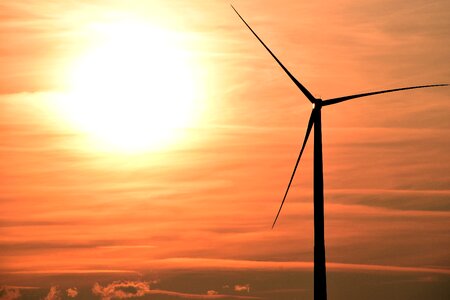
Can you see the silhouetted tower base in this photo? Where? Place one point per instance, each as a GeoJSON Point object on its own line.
{"type": "Point", "coordinates": [320, 279]}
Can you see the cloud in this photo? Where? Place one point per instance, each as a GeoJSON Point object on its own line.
{"type": "Point", "coordinates": [9, 293]}
{"type": "Point", "coordinates": [72, 292]}
{"type": "Point", "coordinates": [121, 289]}
{"type": "Point", "coordinates": [416, 280]}
{"type": "Point", "coordinates": [212, 292]}
{"type": "Point", "coordinates": [242, 288]}
{"type": "Point", "coordinates": [210, 295]}
{"type": "Point", "coordinates": [130, 289]}
{"type": "Point", "coordinates": [230, 264]}
{"type": "Point", "coordinates": [53, 294]}
{"type": "Point", "coordinates": [75, 271]}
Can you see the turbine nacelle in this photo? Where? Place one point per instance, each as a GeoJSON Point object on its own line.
{"type": "Point", "coordinates": [317, 103]}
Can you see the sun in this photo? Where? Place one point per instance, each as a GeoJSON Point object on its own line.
{"type": "Point", "coordinates": [134, 90]}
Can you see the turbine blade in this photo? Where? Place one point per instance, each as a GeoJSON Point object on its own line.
{"type": "Point", "coordinates": [297, 83]}
{"type": "Point", "coordinates": [308, 131]}
{"type": "Point", "coordinates": [345, 98]}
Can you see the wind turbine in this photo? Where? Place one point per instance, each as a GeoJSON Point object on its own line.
{"type": "Point", "coordinates": [320, 284]}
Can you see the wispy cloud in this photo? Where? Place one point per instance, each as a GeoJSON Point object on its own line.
{"type": "Point", "coordinates": [242, 288]}
{"type": "Point", "coordinates": [212, 292]}
{"type": "Point", "coordinates": [75, 271]}
{"type": "Point", "coordinates": [72, 292]}
{"type": "Point", "coordinates": [200, 296]}
{"type": "Point", "coordinates": [227, 264]}
{"type": "Point", "coordinates": [9, 293]}
{"type": "Point", "coordinates": [53, 294]}
{"type": "Point", "coordinates": [130, 289]}
{"type": "Point", "coordinates": [121, 290]}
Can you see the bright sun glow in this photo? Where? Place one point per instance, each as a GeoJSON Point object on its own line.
{"type": "Point", "coordinates": [135, 90]}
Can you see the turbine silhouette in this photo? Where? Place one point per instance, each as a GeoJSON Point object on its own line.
{"type": "Point", "coordinates": [320, 286]}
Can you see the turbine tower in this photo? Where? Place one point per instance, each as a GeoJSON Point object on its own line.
{"type": "Point", "coordinates": [320, 284]}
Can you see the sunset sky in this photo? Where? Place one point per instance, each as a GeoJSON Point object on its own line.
{"type": "Point", "coordinates": [145, 147]}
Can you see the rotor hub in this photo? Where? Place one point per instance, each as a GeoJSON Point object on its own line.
{"type": "Point", "coordinates": [317, 104]}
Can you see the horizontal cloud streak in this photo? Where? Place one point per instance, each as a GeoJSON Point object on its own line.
{"type": "Point", "coordinates": [225, 264]}
{"type": "Point", "coordinates": [191, 263]}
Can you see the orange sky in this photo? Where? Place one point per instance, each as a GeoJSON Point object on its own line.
{"type": "Point", "coordinates": [193, 220]}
